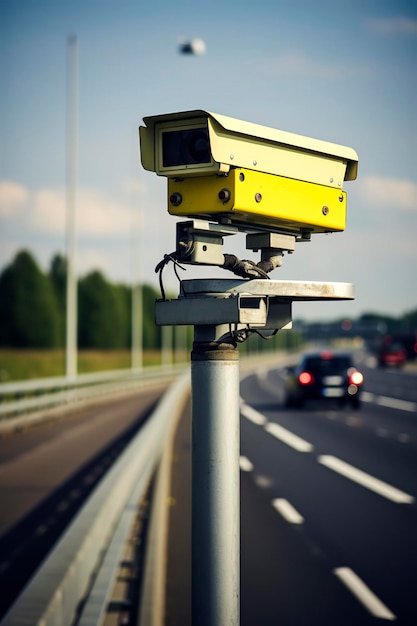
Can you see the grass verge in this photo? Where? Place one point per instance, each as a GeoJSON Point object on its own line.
{"type": "Point", "coordinates": [26, 364]}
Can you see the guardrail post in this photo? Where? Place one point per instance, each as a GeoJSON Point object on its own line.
{"type": "Point", "coordinates": [215, 483]}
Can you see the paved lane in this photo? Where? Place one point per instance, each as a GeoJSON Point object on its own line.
{"type": "Point", "coordinates": [48, 471]}
{"type": "Point", "coordinates": [35, 462]}
{"type": "Point", "coordinates": [345, 485]}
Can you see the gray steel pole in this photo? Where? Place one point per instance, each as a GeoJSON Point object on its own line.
{"type": "Point", "coordinates": [137, 327]}
{"type": "Point", "coordinates": [71, 330]}
{"type": "Point", "coordinates": [215, 484]}
{"type": "Point", "coordinates": [137, 289]}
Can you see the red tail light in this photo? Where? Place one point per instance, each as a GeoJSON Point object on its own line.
{"type": "Point", "coordinates": [305, 378]}
{"type": "Point", "coordinates": [356, 378]}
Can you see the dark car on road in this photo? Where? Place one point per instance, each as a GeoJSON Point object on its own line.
{"type": "Point", "coordinates": [324, 375]}
{"type": "Point", "coordinates": [391, 353]}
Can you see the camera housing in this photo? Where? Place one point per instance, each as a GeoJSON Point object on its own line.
{"type": "Point", "coordinates": [250, 199]}
{"type": "Point", "coordinates": [221, 168]}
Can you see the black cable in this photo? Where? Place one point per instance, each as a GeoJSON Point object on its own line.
{"type": "Point", "coordinates": [159, 268]}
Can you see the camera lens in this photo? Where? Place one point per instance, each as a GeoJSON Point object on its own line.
{"type": "Point", "coordinates": [197, 146]}
{"type": "Point", "coordinates": [185, 147]}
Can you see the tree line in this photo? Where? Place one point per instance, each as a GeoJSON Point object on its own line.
{"type": "Point", "coordinates": [33, 308]}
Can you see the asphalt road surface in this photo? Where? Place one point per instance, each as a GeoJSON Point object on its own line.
{"type": "Point", "coordinates": [330, 496]}
{"type": "Point", "coordinates": [328, 499]}
{"type": "Point", "coordinates": [328, 507]}
{"type": "Point", "coordinates": [47, 472]}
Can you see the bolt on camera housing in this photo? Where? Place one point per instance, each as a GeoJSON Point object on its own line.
{"type": "Point", "coordinates": [251, 176]}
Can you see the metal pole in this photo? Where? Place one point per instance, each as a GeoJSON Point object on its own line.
{"type": "Point", "coordinates": [71, 330]}
{"type": "Point", "coordinates": [137, 292]}
{"type": "Point", "coordinates": [137, 327]}
{"type": "Point", "coordinates": [136, 270]}
{"type": "Point", "coordinates": [215, 484]}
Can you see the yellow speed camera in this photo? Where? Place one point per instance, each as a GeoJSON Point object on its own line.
{"type": "Point", "coordinates": [254, 198]}
{"type": "Point", "coordinates": [222, 168]}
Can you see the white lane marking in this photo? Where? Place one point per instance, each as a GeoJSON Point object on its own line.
{"type": "Point", "coordinates": [365, 480]}
{"type": "Point", "coordinates": [391, 403]}
{"type": "Point", "coordinates": [284, 435]}
{"type": "Point", "coordinates": [252, 415]}
{"type": "Point", "coordinates": [264, 482]}
{"type": "Point", "coordinates": [245, 464]}
{"type": "Point", "coordinates": [404, 438]}
{"type": "Point", "coordinates": [394, 403]}
{"type": "Point", "coordinates": [262, 374]}
{"type": "Point", "coordinates": [281, 433]}
{"type": "Point", "coordinates": [366, 396]}
{"type": "Point", "coordinates": [362, 592]}
{"type": "Point", "coordinates": [287, 511]}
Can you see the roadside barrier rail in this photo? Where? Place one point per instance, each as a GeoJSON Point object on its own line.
{"type": "Point", "coordinates": [35, 396]}
{"type": "Point", "coordinates": [62, 591]}
{"type": "Point", "coordinates": [73, 584]}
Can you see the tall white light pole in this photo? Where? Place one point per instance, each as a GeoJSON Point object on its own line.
{"type": "Point", "coordinates": [137, 291]}
{"type": "Point", "coordinates": [72, 97]}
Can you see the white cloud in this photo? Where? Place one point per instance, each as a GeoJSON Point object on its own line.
{"type": "Point", "coordinates": [46, 211]}
{"type": "Point", "coordinates": [12, 196]}
{"type": "Point", "coordinates": [388, 192]}
{"type": "Point", "coordinates": [98, 214]}
{"type": "Point", "coordinates": [393, 25]}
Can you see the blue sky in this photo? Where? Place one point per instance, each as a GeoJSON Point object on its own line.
{"type": "Point", "coordinates": [341, 71]}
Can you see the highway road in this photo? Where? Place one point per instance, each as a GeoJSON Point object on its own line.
{"type": "Point", "coordinates": [328, 507]}
{"type": "Point", "coordinates": [48, 471]}
{"type": "Point", "coordinates": [328, 499]}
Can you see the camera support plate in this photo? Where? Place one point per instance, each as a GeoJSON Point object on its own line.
{"type": "Point", "coordinates": [251, 304]}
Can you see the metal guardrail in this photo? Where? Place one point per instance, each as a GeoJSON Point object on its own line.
{"type": "Point", "coordinates": [93, 542]}
{"type": "Point", "coordinates": [80, 570]}
{"type": "Point", "coordinates": [18, 410]}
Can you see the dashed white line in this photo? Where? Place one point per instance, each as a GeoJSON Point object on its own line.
{"type": "Point", "coordinates": [277, 431]}
{"type": "Point", "coordinates": [394, 403]}
{"type": "Point", "coordinates": [262, 374]}
{"type": "Point", "coordinates": [284, 435]}
{"type": "Point", "coordinates": [347, 576]}
{"type": "Point", "coordinates": [245, 464]}
{"type": "Point", "coordinates": [404, 438]}
{"type": "Point", "coordinates": [391, 403]}
{"type": "Point", "coordinates": [287, 511]}
{"type": "Point", "coordinates": [366, 396]}
{"type": "Point", "coordinates": [362, 592]}
{"type": "Point", "coordinates": [252, 415]}
{"type": "Point", "coordinates": [337, 465]}
{"type": "Point", "coordinates": [365, 480]}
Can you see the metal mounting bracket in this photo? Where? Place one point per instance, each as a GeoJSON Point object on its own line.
{"type": "Point", "coordinates": [250, 304]}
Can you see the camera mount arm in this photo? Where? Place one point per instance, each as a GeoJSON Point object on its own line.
{"type": "Point", "coordinates": [200, 243]}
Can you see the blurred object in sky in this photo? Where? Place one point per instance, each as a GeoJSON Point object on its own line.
{"type": "Point", "coordinates": [194, 46]}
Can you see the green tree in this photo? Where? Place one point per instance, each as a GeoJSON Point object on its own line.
{"type": "Point", "coordinates": [28, 308]}
{"type": "Point", "coordinates": [123, 296]}
{"type": "Point", "coordinates": [101, 317]}
{"type": "Point", "coordinates": [58, 278]}
{"type": "Point", "coordinates": [410, 321]}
